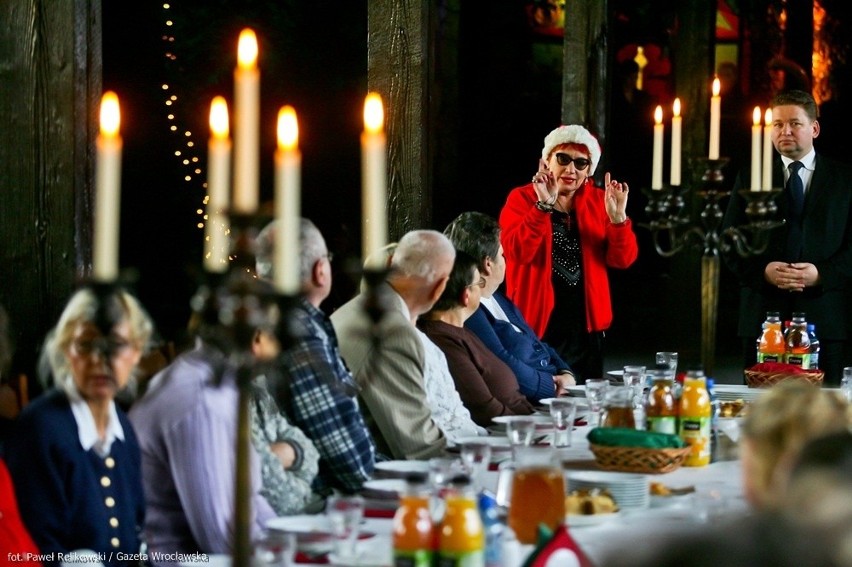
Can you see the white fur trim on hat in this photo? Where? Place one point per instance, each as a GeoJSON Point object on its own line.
{"type": "Point", "coordinates": [573, 134]}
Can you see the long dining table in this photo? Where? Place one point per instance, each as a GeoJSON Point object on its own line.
{"type": "Point", "coordinates": [717, 497]}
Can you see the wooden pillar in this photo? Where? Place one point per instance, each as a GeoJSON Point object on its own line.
{"type": "Point", "coordinates": [584, 79]}
{"type": "Point", "coordinates": [50, 81]}
{"type": "Point", "coordinates": [399, 64]}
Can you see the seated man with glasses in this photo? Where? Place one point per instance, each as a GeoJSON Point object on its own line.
{"type": "Point", "coordinates": [487, 386]}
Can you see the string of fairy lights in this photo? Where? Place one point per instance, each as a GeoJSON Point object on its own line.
{"type": "Point", "coordinates": [187, 151]}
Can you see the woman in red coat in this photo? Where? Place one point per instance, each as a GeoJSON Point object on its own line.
{"type": "Point", "coordinates": [560, 233]}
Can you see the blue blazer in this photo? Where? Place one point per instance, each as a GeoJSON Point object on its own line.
{"type": "Point", "coordinates": [534, 362]}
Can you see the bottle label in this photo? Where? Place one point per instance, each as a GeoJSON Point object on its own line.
{"type": "Point", "coordinates": [695, 432]}
{"type": "Point", "coordinates": [667, 424]}
{"type": "Point", "coordinates": [412, 558]}
{"type": "Point", "coordinates": [799, 359]}
{"type": "Point", "coordinates": [767, 357]}
{"type": "Point", "coordinates": [473, 558]}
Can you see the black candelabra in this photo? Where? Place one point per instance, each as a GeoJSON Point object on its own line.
{"type": "Point", "coordinates": [672, 231]}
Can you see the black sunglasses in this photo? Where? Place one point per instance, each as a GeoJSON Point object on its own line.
{"type": "Point", "coordinates": [580, 163]}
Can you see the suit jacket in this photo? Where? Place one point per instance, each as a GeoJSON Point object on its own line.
{"type": "Point", "coordinates": [826, 243]}
{"type": "Point", "coordinates": [534, 362]}
{"type": "Point", "coordinates": [388, 361]}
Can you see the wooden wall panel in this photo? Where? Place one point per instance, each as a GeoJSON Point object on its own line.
{"type": "Point", "coordinates": [49, 84]}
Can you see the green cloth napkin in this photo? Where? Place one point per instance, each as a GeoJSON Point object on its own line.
{"type": "Point", "coordinates": [624, 437]}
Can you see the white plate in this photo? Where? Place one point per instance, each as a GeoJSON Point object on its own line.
{"type": "Point", "coordinates": [403, 467]}
{"type": "Point", "coordinates": [300, 524]}
{"type": "Point", "coordinates": [578, 520]}
{"type": "Point", "coordinates": [538, 419]}
{"type": "Point", "coordinates": [393, 486]}
{"type": "Point", "coordinates": [497, 442]}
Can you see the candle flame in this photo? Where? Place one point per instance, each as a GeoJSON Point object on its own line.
{"type": "Point", "coordinates": [756, 116]}
{"type": "Point", "coordinates": [676, 106]}
{"type": "Point", "coordinates": [374, 113]}
{"type": "Point", "coordinates": [247, 49]}
{"type": "Point", "coordinates": [717, 87]}
{"type": "Point", "coordinates": [110, 114]}
{"type": "Point", "coordinates": [219, 118]}
{"type": "Point", "coordinates": [767, 118]}
{"type": "Point", "coordinates": [288, 128]}
{"type": "Point", "coordinates": [658, 115]}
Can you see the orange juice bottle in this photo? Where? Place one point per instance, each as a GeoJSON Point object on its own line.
{"type": "Point", "coordinates": [413, 530]}
{"type": "Point", "coordinates": [461, 539]}
{"type": "Point", "coordinates": [695, 417]}
{"type": "Point", "coordinates": [770, 345]}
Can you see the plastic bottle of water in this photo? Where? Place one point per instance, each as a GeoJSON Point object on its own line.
{"type": "Point", "coordinates": [814, 346]}
{"type": "Point", "coordinates": [494, 528]}
{"type": "Point", "coordinates": [715, 412]}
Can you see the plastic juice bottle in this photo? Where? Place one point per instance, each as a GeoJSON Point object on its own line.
{"type": "Point", "coordinates": [695, 417]}
{"type": "Point", "coordinates": [413, 530]}
{"type": "Point", "coordinates": [770, 344]}
{"type": "Point", "coordinates": [798, 342]}
{"type": "Point", "coordinates": [461, 539]}
{"type": "Point", "coordinates": [660, 407]}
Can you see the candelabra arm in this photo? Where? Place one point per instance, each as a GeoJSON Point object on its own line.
{"type": "Point", "coordinates": [242, 498]}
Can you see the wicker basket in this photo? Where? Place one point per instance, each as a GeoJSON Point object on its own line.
{"type": "Point", "coordinates": [762, 379]}
{"type": "Point", "coordinates": [639, 459]}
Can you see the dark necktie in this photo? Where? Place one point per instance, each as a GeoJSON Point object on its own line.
{"type": "Point", "coordinates": [796, 197]}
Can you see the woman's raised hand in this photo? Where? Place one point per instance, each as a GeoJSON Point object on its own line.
{"type": "Point", "coordinates": [616, 199]}
{"type": "Point", "coordinates": [545, 184]}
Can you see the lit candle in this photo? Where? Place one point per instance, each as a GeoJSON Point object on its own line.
{"type": "Point", "coordinates": [218, 172]}
{"type": "Point", "coordinates": [715, 116]}
{"type": "Point", "coordinates": [374, 179]}
{"type": "Point", "coordinates": [657, 163]}
{"type": "Point", "coordinates": [288, 164]}
{"type": "Point", "coordinates": [767, 150]}
{"type": "Point", "coordinates": [755, 150]}
{"type": "Point", "coordinates": [676, 143]}
{"type": "Point", "coordinates": [107, 191]}
{"type": "Point", "coordinates": [246, 119]}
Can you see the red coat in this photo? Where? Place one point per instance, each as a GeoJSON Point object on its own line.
{"type": "Point", "coordinates": [527, 238]}
{"type": "Point", "coordinates": [16, 545]}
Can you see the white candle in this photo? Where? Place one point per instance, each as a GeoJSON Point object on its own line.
{"type": "Point", "coordinates": [217, 227]}
{"type": "Point", "coordinates": [676, 143]}
{"type": "Point", "coordinates": [715, 116]}
{"type": "Point", "coordinates": [756, 132]}
{"type": "Point", "coordinates": [657, 163]}
{"type": "Point", "coordinates": [107, 191]}
{"type": "Point", "coordinates": [288, 164]}
{"type": "Point", "coordinates": [374, 180]}
{"type": "Point", "coordinates": [767, 150]}
{"type": "Point", "coordinates": [246, 129]}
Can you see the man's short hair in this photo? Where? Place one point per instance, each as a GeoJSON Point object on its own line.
{"type": "Point", "coordinates": [312, 247]}
{"type": "Point", "coordinates": [476, 234]}
{"type": "Point", "coordinates": [420, 254]}
{"type": "Point", "coordinates": [797, 98]}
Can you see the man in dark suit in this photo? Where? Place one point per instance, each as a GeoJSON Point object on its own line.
{"type": "Point", "coordinates": [808, 263]}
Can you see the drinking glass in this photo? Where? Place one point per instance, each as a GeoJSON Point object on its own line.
{"type": "Point", "coordinates": [476, 456]}
{"type": "Point", "coordinates": [345, 514]}
{"type": "Point", "coordinates": [562, 410]}
{"type": "Point", "coordinates": [634, 377]}
{"type": "Point", "coordinates": [846, 383]}
{"type": "Point", "coordinates": [668, 358]}
{"type": "Point", "coordinates": [520, 430]}
{"type": "Point", "coordinates": [595, 391]}
{"type": "Point", "coordinates": [275, 549]}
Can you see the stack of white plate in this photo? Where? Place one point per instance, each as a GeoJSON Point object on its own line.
{"type": "Point", "coordinates": [733, 392]}
{"type": "Point", "coordinates": [629, 491]}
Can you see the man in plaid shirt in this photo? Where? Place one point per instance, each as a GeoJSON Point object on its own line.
{"type": "Point", "coordinates": [318, 393]}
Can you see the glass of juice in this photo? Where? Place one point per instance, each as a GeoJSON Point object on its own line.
{"type": "Point", "coordinates": [537, 494]}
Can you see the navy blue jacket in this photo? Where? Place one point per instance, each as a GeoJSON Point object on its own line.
{"type": "Point", "coordinates": [534, 362]}
{"type": "Point", "coordinates": [60, 487]}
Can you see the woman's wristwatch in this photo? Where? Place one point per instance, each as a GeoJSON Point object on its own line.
{"type": "Point", "coordinates": [543, 207]}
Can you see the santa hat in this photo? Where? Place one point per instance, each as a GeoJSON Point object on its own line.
{"type": "Point", "coordinates": [573, 134]}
